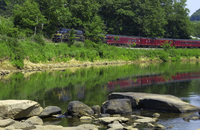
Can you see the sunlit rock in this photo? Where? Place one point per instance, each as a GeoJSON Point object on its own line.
{"type": "Point", "coordinates": [159, 102]}
{"type": "Point", "coordinates": [78, 109]}
{"type": "Point", "coordinates": [19, 108]}
{"type": "Point", "coordinates": [117, 106]}
{"type": "Point", "coordinates": [50, 111]}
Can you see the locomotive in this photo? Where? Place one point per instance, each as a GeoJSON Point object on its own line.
{"type": "Point", "coordinates": [63, 35]}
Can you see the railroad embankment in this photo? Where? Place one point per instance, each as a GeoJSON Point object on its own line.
{"type": "Point", "coordinates": [26, 55]}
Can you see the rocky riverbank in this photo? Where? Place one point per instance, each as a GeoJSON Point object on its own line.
{"type": "Point", "coordinates": [115, 114]}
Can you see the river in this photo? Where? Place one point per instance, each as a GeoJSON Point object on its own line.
{"type": "Point", "coordinates": [92, 86]}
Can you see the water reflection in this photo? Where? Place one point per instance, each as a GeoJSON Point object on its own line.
{"type": "Point", "coordinates": [92, 86]}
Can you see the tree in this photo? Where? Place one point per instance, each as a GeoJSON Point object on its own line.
{"type": "Point", "coordinates": [28, 17]}
{"type": "Point", "coordinates": [138, 17]}
{"type": "Point", "coordinates": [179, 25]}
{"type": "Point", "coordinates": [57, 14]}
{"type": "Point", "coordinates": [85, 17]}
{"type": "Point", "coordinates": [195, 16]}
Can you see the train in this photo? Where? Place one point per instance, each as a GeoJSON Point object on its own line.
{"type": "Point", "coordinates": [63, 35]}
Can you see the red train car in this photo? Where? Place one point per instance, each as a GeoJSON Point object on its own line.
{"type": "Point", "coordinates": [150, 42]}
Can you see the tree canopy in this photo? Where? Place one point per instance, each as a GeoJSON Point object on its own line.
{"type": "Point", "coordinates": [149, 18]}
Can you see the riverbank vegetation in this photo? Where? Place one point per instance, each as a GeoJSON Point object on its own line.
{"type": "Point", "coordinates": [36, 51]}
{"type": "Point", "coordinates": [26, 27]}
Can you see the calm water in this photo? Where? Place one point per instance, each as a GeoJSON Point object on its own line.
{"type": "Point", "coordinates": [92, 86]}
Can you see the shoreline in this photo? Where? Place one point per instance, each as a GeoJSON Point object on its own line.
{"type": "Point", "coordinates": [6, 67]}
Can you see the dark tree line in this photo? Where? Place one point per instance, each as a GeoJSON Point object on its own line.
{"type": "Point", "coordinates": [149, 18]}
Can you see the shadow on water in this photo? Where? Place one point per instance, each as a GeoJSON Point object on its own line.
{"type": "Point", "coordinates": [92, 86]}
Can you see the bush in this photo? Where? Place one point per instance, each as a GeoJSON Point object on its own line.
{"type": "Point", "coordinates": [164, 56]}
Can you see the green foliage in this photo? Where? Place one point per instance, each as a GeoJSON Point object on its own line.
{"type": "Point", "coordinates": [71, 37]}
{"type": "Point", "coordinates": [38, 39]}
{"type": "Point", "coordinates": [29, 17]}
{"type": "Point", "coordinates": [195, 16]}
{"type": "Point", "coordinates": [166, 46]}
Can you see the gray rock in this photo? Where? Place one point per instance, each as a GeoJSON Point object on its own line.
{"type": "Point", "coordinates": [78, 109]}
{"type": "Point", "coordinates": [156, 115]}
{"type": "Point", "coordinates": [130, 128]}
{"type": "Point", "coordinates": [108, 120]}
{"type": "Point", "coordinates": [146, 120]}
{"type": "Point", "coordinates": [6, 122]}
{"type": "Point", "coordinates": [96, 109]}
{"type": "Point", "coordinates": [88, 127]}
{"type": "Point", "coordinates": [50, 111]}
{"type": "Point", "coordinates": [35, 120]}
{"type": "Point", "coordinates": [23, 126]}
{"type": "Point", "coordinates": [117, 106]}
{"type": "Point", "coordinates": [159, 102]}
{"type": "Point", "coordinates": [19, 108]}
{"type": "Point", "coordinates": [191, 117]}
{"type": "Point", "coordinates": [55, 127]}
{"type": "Point", "coordinates": [116, 125]}
{"type": "Point", "coordinates": [85, 119]}
{"type": "Point", "coordinates": [159, 127]}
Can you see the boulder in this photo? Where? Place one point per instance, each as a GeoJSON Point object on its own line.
{"type": "Point", "coordinates": [50, 111]}
{"type": "Point", "coordinates": [96, 109]}
{"type": "Point", "coordinates": [117, 106]}
{"type": "Point", "coordinates": [35, 120]}
{"type": "Point", "coordinates": [19, 108]}
{"type": "Point", "coordinates": [78, 109]}
{"type": "Point", "coordinates": [6, 122]}
{"type": "Point", "coordinates": [108, 120]}
{"type": "Point", "coordinates": [158, 102]}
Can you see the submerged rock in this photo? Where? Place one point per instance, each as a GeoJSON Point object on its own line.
{"type": "Point", "coordinates": [117, 106]}
{"type": "Point", "coordinates": [50, 111]}
{"type": "Point", "coordinates": [19, 108]}
{"type": "Point", "coordinates": [158, 102]}
{"type": "Point", "coordinates": [78, 109]}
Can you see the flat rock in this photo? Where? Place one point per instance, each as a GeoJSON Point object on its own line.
{"type": "Point", "coordinates": [6, 122]}
{"type": "Point", "coordinates": [50, 111]}
{"type": "Point", "coordinates": [108, 120]}
{"type": "Point", "coordinates": [117, 106]}
{"type": "Point", "coordinates": [78, 109]}
{"type": "Point", "coordinates": [158, 102]}
{"type": "Point", "coordinates": [116, 125]}
{"type": "Point", "coordinates": [35, 120]}
{"type": "Point", "coordinates": [146, 120]}
{"type": "Point", "coordinates": [88, 127]}
{"type": "Point", "coordinates": [55, 127]}
{"type": "Point", "coordinates": [19, 108]}
{"type": "Point", "coordinates": [23, 125]}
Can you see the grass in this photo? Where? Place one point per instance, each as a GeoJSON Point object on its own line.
{"type": "Point", "coordinates": [36, 50]}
